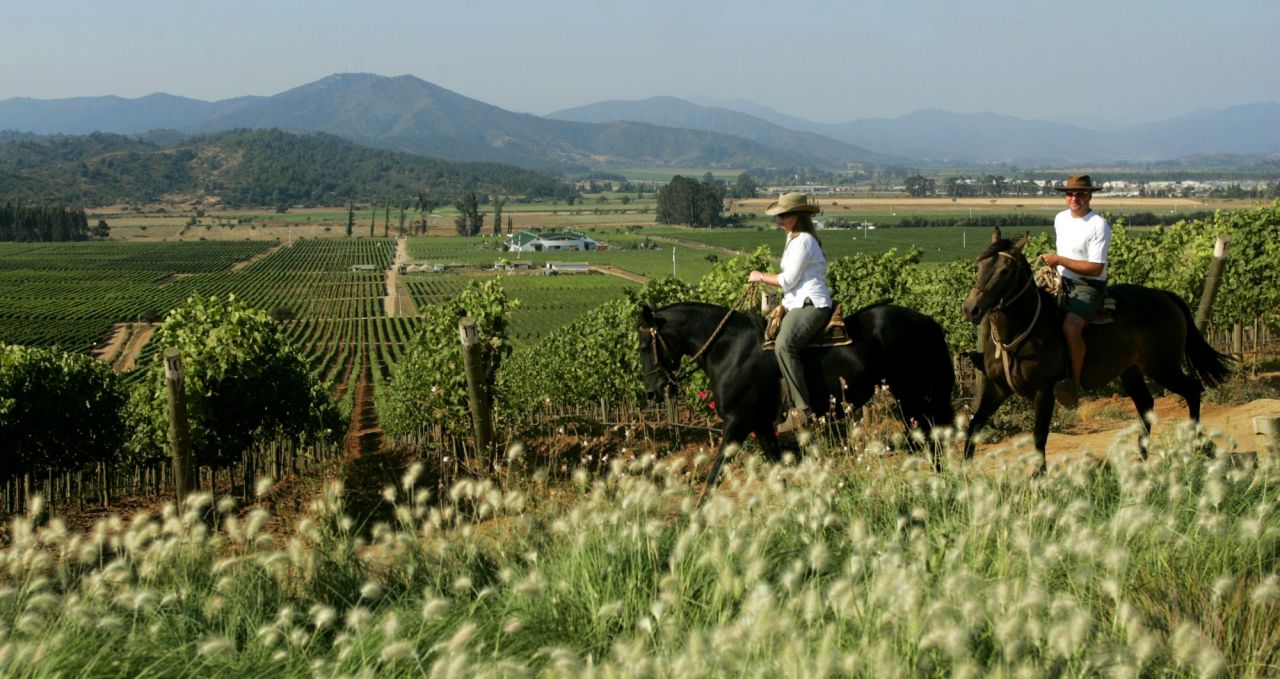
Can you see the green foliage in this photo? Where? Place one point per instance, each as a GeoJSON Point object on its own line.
{"type": "Point", "coordinates": [45, 223]}
{"type": "Point", "coordinates": [58, 411]}
{"type": "Point", "coordinates": [859, 280]}
{"type": "Point", "coordinates": [688, 201]}
{"type": "Point", "coordinates": [594, 357]}
{"type": "Point", "coordinates": [244, 168]}
{"type": "Point", "coordinates": [429, 385]}
{"type": "Point", "coordinates": [726, 280]}
{"type": "Point", "coordinates": [243, 383]}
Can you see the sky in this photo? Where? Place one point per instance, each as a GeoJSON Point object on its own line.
{"type": "Point", "coordinates": [1123, 61]}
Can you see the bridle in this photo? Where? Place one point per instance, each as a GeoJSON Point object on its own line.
{"type": "Point", "coordinates": [673, 377]}
{"type": "Point", "coordinates": [1004, 350]}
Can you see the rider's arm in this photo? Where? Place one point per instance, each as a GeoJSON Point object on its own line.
{"type": "Point", "coordinates": [1080, 266]}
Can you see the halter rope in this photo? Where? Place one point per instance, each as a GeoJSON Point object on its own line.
{"type": "Point", "coordinates": [1005, 351]}
{"type": "Point", "coordinates": [674, 378]}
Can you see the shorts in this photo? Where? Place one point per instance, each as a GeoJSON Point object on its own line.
{"type": "Point", "coordinates": [1082, 296]}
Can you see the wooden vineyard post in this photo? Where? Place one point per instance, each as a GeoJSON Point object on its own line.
{"type": "Point", "coordinates": [477, 393]}
{"type": "Point", "coordinates": [1211, 281]}
{"type": "Point", "coordinates": [179, 427]}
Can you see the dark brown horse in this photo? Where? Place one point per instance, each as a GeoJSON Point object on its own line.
{"type": "Point", "coordinates": [1025, 353]}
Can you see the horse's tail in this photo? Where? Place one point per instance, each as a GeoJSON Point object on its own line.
{"type": "Point", "coordinates": [1206, 364]}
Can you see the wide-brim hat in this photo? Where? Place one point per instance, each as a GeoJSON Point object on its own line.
{"type": "Point", "coordinates": [1079, 182]}
{"type": "Point", "coordinates": [791, 202]}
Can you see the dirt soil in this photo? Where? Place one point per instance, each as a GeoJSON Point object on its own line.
{"type": "Point", "coordinates": [1101, 423]}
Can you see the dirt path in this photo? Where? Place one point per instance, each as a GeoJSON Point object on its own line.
{"type": "Point", "coordinates": [620, 273]}
{"type": "Point", "coordinates": [123, 346]}
{"type": "Point", "coordinates": [108, 351]}
{"type": "Point", "coordinates": [261, 255]}
{"type": "Point", "coordinates": [1102, 423]}
{"type": "Point", "coordinates": [368, 466]}
{"type": "Point", "coordinates": [398, 301]}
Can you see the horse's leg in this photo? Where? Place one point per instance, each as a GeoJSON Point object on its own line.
{"type": "Point", "coordinates": [735, 431]}
{"type": "Point", "coordinates": [1136, 386]}
{"type": "Point", "coordinates": [1044, 417]}
{"type": "Point", "coordinates": [1171, 377]}
{"type": "Point", "coordinates": [768, 440]}
{"type": "Point", "coordinates": [988, 398]}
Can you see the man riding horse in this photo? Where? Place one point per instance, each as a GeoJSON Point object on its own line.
{"type": "Point", "coordinates": [1083, 239]}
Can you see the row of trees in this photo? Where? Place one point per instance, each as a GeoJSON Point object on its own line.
{"type": "Point", "coordinates": [45, 223]}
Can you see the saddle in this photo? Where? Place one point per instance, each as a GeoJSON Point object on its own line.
{"type": "Point", "coordinates": [834, 335]}
{"type": "Point", "coordinates": [1050, 281]}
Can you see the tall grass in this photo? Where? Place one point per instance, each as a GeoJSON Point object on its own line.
{"type": "Point", "coordinates": [1114, 568]}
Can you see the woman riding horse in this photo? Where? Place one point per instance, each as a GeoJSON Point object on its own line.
{"type": "Point", "coordinates": [891, 344]}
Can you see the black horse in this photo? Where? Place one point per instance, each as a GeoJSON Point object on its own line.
{"type": "Point", "coordinates": [1152, 335]}
{"type": "Point", "coordinates": [904, 348]}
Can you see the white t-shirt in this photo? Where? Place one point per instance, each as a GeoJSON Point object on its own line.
{"type": "Point", "coordinates": [1087, 238]}
{"type": "Point", "coordinates": [804, 272]}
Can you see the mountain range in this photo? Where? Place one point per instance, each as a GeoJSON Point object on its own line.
{"type": "Point", "coordinates": [412, 115]}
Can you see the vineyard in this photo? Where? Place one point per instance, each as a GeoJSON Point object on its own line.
{"type": "Point", "coordinates": [575, 544]}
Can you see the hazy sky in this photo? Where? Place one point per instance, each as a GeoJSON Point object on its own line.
{"type": "Point", "coordinates": [831, 61]}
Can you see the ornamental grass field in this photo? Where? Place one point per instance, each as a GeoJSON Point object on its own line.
{"type": "Point", "coordinates": [871, 566]}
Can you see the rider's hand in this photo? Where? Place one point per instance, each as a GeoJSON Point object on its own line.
{"type": "Point", "coordinates": [755, 277]}
{"type": "Point", "coordinates": [1050, 258]}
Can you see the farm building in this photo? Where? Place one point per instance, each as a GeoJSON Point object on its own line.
{"type": "Point", "coordinates": [551, 241]}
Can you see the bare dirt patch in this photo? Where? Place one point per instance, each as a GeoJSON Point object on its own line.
{"type": "Point", "coordinates": [127, 359]}
{"type": "Point", "coordinates": [1100, 426]}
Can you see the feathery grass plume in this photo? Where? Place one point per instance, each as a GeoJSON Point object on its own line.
{"type": "Point", "coordinates": [1266, 592]}
{"type": "Point", "coordinates": [216, 646]}
{"type": "Point", "coordinates": [263, 486]}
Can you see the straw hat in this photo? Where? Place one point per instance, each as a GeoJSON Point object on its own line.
{"type": "Point", "coordinates": [791, 202]}
{"type": "Point", "coordinates": [1079, 182]}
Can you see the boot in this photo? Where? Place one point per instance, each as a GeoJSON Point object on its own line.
{"type": "Point", "coordinates": [1066, 393]}
{"type": "Point", "coordinates": [796, 419]}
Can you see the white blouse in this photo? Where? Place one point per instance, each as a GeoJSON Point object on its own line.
{"type": "Point", "coordinates": [804, 272]}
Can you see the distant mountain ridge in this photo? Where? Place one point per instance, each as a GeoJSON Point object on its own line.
{"type": "Point", "coordinates": [675, 112]}
{"type": "Point", "coordinates": [934, 134]}
{"type": "Point", "coordinates": [408, 114]}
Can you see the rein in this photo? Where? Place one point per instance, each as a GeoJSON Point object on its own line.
{"type": "Point", "coordinates": [1004, 350]}
{"type": "Point", "coordinates": [674, 378]}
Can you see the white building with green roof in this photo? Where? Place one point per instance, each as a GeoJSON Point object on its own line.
{"type": "Point", "coordinates": [550, 241]}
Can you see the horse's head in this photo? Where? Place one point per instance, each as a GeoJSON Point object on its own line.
{"type": "Point", "coordinates": [1002, 273]}
{"type": "Point", "coordinates": [657, 360]}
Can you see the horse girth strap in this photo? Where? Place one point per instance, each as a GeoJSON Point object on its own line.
{"type": "Point", "coordinates": [680, 373]}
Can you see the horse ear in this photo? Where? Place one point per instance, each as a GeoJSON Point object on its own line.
{"type": "Point", "coordinates": [646, 316]}
{"type": "Point", "coordinates": [995, 235]}
{"type": "Point", "coordinates": [1022, 242]}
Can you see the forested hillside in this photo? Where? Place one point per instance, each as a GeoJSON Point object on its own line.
{"type": "Point", "coordinates": [242, 168]}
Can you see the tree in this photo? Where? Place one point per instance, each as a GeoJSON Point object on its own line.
{"type": "Point", "coordinates": [687, 201]}
{"type": "Point", "coordinates": [386, 218]}
{"type": "Point", "coordinates": [402, 208]}
{"type": "Point", "coordinates": [102, 231]}
{"type": "Point", "coordinates": [744, 187]}
{"type": "Point", "coordinates": [351, 216]}
{"type": "Point", "coordinates": [373, 218]}
{"type": "Point", "coordinates": [498, 203]}
{"type": "Point", "coordinates": [425, 204]}
{"type": "Point", "coordinates": [469, 220]}
{"type": "Point", "coordinates": [918, 186]}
